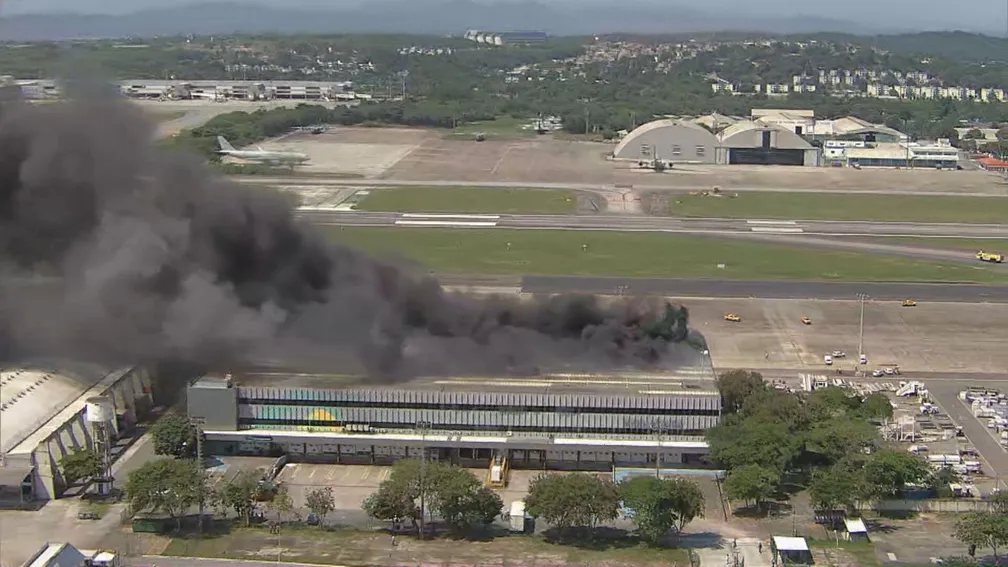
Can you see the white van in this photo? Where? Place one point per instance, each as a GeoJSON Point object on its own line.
{"type": "Point", "coordinates": [828, 360]}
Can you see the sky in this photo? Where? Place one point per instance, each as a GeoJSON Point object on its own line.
{"type": "Point", "coordinates": [970, 15]}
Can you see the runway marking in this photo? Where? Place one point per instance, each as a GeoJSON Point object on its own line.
{"type": "Point", "coordinates": [447, 224]}
{"type": "Point", "coordinates": [501, 159]}
{"type": "Point", "coordinates": [776, 230]}
{"type": "Point", "coordinates": [772, 222]}
{"type": "Point", "coordinates": [448, 216]}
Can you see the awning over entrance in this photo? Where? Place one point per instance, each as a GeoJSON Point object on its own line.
{"type": "Point", "coordinates": [14, 475]}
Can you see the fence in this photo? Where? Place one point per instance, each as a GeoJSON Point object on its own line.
{"type": "Point", "coordinates": [943, 505]}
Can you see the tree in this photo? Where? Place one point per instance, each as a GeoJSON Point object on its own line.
{"type": "Point", "coordinates": [876, 406]}
{"type": "Point", "coordinates": [281, 503]}
{"type": "Point", "coordinates": [888, 472]}
{"type": "Point", "coordinates": [661, 505]}
{"type": "Point", "coordinates": [999, 501]}
{"type": "Point", "coordinates": [168, 486]}
{"type": "Point", "coordinates": [320, 502]}
{"type": "Point", "coordinates": [462, 500]}
{"type": "Point", "coordinates": [174, 435]}
{"type": "Point", "coordinates": [240, 495]}
{"type": "Point", "coordinates": [974, 134]}
{"type": "Point", "coordinates": [392, 502]}
{"type": "Point", "coordinates": [752, 484]}
{"type": "Point", "coordinates": [830, 440]}
{"type": "Point", "coordinates": [983, 529]}
{"type": "Point", "coordinates": [835, 487]}
{"type": "Point", "coordinates": [80, 465]}
{"type": "Point", "coordinates": [736, 386]}
{"type": "Point", "coordinates": [453, 493]}
{"type": "Point", "coordinates": [573, 500]}
{"type": "Point", "coordinates": [772, 446]}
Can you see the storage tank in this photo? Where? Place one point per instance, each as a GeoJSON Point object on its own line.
{"type": "Point", "coordinates": [99, 410]}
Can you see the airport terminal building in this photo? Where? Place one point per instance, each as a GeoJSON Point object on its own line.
{"type": "Point", "coordinates": [538, 424]}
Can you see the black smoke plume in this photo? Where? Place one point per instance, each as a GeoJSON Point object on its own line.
{"type": "Point", "coordinates": [114, 251]}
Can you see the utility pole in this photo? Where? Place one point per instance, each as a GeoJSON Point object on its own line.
{"type": "Point", "coordinates": [861, 298]}
{"type": "Point", "coordinates": [197, 423]}
{"type": "Point", "coordinates": [587, 116]}
{"type": "Point", "coordinates": [423, 426]}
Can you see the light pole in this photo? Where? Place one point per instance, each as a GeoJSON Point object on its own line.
{"type": "Point", "coordinates": [423, 426]}
{"type": "Point", "coordinates": [861, 298]}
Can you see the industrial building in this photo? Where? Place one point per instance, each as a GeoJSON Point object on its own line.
{"type": "Point", "coordinates": [939, 155]}
{"type": "Point", "coordinates": [506, 38]}
{"type": "Point", "coordinates": [43, 418]}
{"type": "Point", "coordinates": [217, 90]}
{"type": "Point", "coordinates": [547, 422]}
{"type": "Point", "coordinates": [757, 143]}
{"type": "Point", "coordinates": [676, 141]}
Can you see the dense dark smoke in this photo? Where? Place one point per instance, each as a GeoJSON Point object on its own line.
{"type": "Point", "coordinates": [112, 250]}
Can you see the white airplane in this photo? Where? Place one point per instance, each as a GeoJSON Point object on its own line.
{"type": "Point", "coordinates": [260, 155]}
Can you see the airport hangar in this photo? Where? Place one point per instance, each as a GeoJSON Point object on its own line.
{"type": "Point", "coordinates": [553, 422]}
{"type": "Point", "coordinates": [42, 419]}
{"type": "Point", "coordinates": [742, 143]}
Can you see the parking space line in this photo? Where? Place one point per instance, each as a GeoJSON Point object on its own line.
{"type": "Point", "coordinates": [346, 474]}
{"type": "Point", "coordinates": [295, 470]}
{"type": "Point", "coordinates": [313, 471]}
{"type": "Point", "coordinates": [332, 472]}
{"type": "Point", "coordinates": [366, 473]}
{"type": "Point", "coordinates": [384, 474]}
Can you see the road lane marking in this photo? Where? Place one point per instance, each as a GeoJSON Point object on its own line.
{"type": "Point", "coordinates": [776, 230]}
{"type": "Point", "coordinates": [448, 216]}
{"type": "Point", "coordinates": [447, 224]}
{"type": "Point", "coordinates": [772, 222]}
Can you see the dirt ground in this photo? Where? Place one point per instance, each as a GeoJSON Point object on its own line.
{"type": "Point", "coordinates": [419, 155]}
{"type": "Point", "coordinates": [932, 337]}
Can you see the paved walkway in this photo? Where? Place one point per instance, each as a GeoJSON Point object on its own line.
{"type": "Point", "coordinates": [747, 550]}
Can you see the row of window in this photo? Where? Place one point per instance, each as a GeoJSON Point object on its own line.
{"type": "Point", "coordinates": [692, 411]}
{"type": "Point", "coordinates": [248, 423]}
{"type": "Point", "coordinates": [677, 150]}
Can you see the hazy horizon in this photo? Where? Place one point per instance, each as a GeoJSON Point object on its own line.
{"type": "Point", "coordinates": [987, 16]}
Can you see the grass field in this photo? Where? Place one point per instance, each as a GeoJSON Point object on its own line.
{"type": "Point", "coordinates": [637, 254]}
{"type": "Point", "coordinates": [351, 547]}
{"type": "Point", "coordinates": [167, 115]}
{"type": "Point", "coordinates": [843, 206]}
{"type": "Point", "coordinates": [967, 245]}
{"type": "Point", "coordinates": [468, 200]}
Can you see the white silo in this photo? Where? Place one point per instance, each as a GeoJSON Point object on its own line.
{"type": "Point", "coordinates": [99, 412]}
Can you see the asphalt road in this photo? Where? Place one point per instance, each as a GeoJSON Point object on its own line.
{"type": "Point", "coordinates": [766, 289]}
{"type": "Point", "coordinates": [307, 178]}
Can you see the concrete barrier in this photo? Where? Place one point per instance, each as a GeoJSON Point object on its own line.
{"type": "Point", "coordinates": [958, 505]}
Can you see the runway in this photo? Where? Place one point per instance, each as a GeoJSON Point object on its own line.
{"type": "Point", "coordinates": [766, 289]}
{"type": "Point", "coordinates": [839, 235]}
{"type": "Point", "coordinates": [642, 223]}
{"type": "Point", "coordinates": [320, 179]}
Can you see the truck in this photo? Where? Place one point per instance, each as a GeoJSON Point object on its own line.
{"type": "Point", "coordinates": [992, 257]}
{"type": "Point", "coordinates": [517, 518]}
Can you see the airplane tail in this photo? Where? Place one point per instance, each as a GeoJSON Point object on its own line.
{"type": "Point", "coordinates": [225, 146]}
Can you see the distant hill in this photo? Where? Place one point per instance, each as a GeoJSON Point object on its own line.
{"type": "Point", "coordinates": [403, 16]}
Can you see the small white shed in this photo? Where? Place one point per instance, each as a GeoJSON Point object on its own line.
{"type": "Point", "coordinates": [855, 529]}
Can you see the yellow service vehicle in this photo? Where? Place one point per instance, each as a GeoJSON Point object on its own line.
{"type": "Point", "coordinates": [909, 303]}
{"type": "Point", "coordinates": [732, 317]}
{"type": "Point", "coordinates": [989, 257]}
